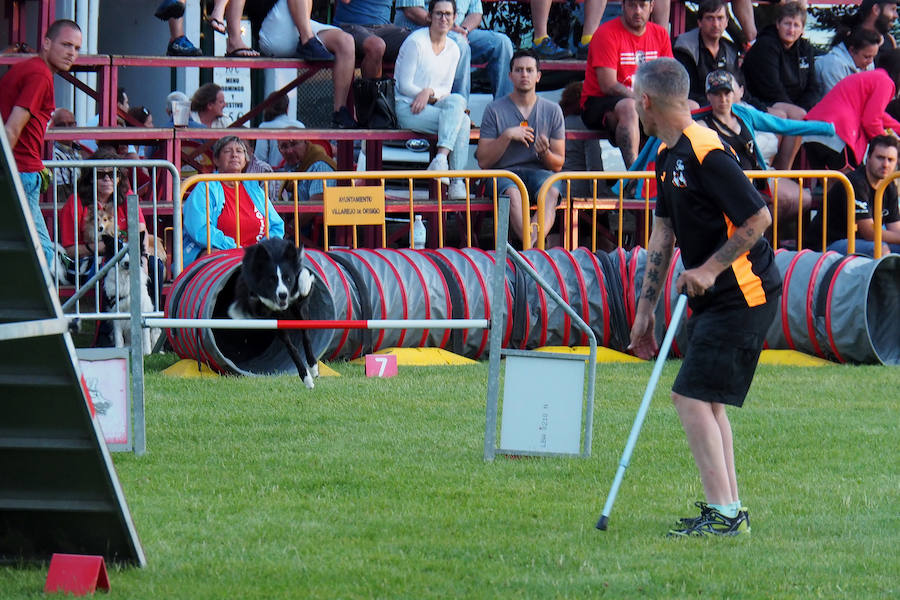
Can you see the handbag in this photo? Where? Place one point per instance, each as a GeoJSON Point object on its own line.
{"type": "Point", "coordinates": [374, 100]}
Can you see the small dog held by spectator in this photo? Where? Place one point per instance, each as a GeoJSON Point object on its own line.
{"type": "Point", "coordinates": [117, 287]}
{"type": "Point", "coordinates": [274, 284]}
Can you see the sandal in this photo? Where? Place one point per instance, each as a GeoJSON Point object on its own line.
{"type": "Point", "coordinates": [242, 53]}
{"type": "Point", "coordinates": [216, 24]}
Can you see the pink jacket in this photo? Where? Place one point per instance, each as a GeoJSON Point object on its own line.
{"type": "Point", "coordinates": [856, 108]}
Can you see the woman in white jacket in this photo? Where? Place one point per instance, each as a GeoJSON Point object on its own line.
{"type": "Point", "coordinates": [424, 75]}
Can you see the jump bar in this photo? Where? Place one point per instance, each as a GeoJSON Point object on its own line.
{"type": "Point", "coordinates": [317, 324]}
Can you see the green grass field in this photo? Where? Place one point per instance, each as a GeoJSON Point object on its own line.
{"type": "Point", "coordinates": [365, 488]}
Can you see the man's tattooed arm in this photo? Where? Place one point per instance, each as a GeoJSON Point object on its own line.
{"type": "Point", "coordinates": [741, 240]}
{"type": "Point", "coordinates": [659, 254]}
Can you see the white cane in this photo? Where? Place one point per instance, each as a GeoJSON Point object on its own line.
{"type": "Point", "coordinates": [642, 411]}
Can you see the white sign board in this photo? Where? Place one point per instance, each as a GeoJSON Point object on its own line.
{"type": "Point", "coordinates": [105, 372]}
{"type": "Point", "coordinates": [542, 405]}
{"type": "Point", "coordinates": [235, 83]}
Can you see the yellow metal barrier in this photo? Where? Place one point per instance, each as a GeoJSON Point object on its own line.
{"type": "Point", "coordinates": [361, 178]}
{"type": "Point", "coordinates": [620, 203]}
{"type": "Point", "coordinates": [877, 210]}
{"type": "Point", "coordinates": [800, 176]}
{"type": "Point", "coordinates": [594, 203]}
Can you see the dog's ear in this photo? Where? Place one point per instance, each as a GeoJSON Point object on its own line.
{"type": "Point", "coordinates": [250, 253]}
{"type": "Point", "coordinates": [301, 254]}
{"type": "Point", "coordinates": [290, 251]}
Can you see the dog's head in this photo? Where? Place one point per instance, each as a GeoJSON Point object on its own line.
{"type": "Point", "coordinates": [273, 271]}
{"type": "Point", "coordinates": [110, 248]}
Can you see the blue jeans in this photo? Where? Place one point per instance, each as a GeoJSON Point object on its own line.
{"type": "Point", "coordinates": [484, 46]}
{"type": "Point", "coordinates": [31, 182]}
{"type": "Point", "coordinates": [864, 247]}
{"type": "Point", "coordinates": [533, 179]}
{"type": "Point", "coordinates": [446, 118]}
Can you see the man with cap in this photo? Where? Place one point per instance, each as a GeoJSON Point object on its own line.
{"type": "Point", "coordinates": [737, 125]}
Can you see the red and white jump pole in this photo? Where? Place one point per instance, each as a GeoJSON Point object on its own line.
{"type": "Point", "coordinates": [317, 324]}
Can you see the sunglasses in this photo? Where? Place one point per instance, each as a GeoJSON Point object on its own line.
{"type": "Point", "coordinates": [106, 174]}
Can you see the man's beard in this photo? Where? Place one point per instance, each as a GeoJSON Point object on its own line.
{"type": "Point", "coordinates": [883, 24]}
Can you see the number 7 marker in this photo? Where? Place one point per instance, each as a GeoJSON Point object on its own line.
{"type": "Point", "coordinates": [381, 365]}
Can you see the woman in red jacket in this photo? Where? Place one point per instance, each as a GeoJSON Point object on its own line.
{"type": "Point", "coordinates": [856, 107]}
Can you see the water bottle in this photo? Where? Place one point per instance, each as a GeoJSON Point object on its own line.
{"type": "Point", "coordinates": [419, 233]}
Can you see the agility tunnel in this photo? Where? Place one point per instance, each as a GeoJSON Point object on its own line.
{"type": "Point", "coordinates": [836, 307]}
{"type": "Point", "coordinates": [205, 290]}
{"type": "Point", "coordinates": [843, 308]}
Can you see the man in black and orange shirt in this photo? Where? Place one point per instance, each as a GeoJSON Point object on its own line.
{"type": "Point", "coordinates": [705, 201]}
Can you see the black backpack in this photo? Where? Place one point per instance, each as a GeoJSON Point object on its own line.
{"type": "Point", "coordinates": [374, 100]}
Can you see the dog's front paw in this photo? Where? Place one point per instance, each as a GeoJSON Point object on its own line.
{"type": "Point", "coordinates": [235, 312]}
{"type": "Point", "coordinates": [314, 370]}
{"type": "Point", "coordinates": [305, 282]}
{"type": "Point", "coordinates": [308, 381]}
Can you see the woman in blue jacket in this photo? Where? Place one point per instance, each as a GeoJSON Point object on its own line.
{"type": "Point", "coordinates": [239, 214]}
{"type": "Point", "coordinates": [737, 124]}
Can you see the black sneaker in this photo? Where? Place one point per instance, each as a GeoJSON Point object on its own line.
{"type": "Point", "coordinates": [342, 119]}
{"type": "Point", "coordinates": [548, 50]}
{"type": "Point", "coordinates": [313, 50]}
{"type": "Point", "coordinates": [169, 9]}
{"type": "Point", "coordinates": [582, 51]}
{"type": "Point", "coordinates": [181, 46]}
{"type": "Point", "coordinates": [712, 522]}
{"type": "Point", "coordinates": [693, 521]}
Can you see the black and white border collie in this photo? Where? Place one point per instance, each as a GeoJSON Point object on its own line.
{"type": "Point", "coordinates": [274, 284]}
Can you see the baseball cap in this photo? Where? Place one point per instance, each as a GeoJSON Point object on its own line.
{"type": "Point", "coordinates": [719, 80]}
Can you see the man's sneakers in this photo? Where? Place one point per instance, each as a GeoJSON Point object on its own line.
{"type": "Point", "coordinates": [548, 50]}
{"type": "Point", "coordinates": [342, 119]}
{"type": "Point", "coordinates": [582, 51]}
{"type": "Point", "coordinates": [313, 50]}
{"type": "Point", "coordinates": [169, 9]}
{"type": "Point", "coordinates": [181, 46]}
{"type": "Point", "coordinates": [711, 522]}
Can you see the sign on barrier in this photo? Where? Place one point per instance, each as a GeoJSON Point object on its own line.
{"type": "Point", "coordinates": [362, 205]}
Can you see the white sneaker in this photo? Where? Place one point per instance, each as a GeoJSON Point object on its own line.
{"type": "Point", "coordinates": [439, 163]}
{"type": "Point", "coordinates": [457, 190]}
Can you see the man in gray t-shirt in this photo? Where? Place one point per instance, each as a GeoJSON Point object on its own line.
{"type": "Point", "coordinates": [525, 134]}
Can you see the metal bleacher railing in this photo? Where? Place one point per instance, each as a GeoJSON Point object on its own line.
{"type": "Point", "coordinates": [573, 205]}
{"type": "Point", "coordinates": [398, 200]}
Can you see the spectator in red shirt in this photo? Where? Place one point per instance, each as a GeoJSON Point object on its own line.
{"type": "Point", "coordinates": [26, 104]}
{"type": "Point", "coordinates": [616, 51]}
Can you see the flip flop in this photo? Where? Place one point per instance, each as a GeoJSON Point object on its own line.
{"type": "Point", "coordinates": [216, 24]}
{"type": "Point", "coordinates": [242, 53]}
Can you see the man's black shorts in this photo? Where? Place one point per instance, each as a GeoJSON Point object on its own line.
{"type": "Point", "coordinates": [595, 110]}
{"type": "Point", "coordinates": [723, 349]}
{"type": "Point", "coordinates": [392, 35]}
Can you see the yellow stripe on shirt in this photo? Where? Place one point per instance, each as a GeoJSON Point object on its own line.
{"type": "Point", "coordinates": [749, 282]}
